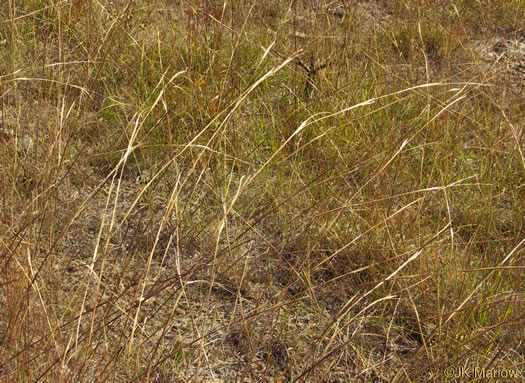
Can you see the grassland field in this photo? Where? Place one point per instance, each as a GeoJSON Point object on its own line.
{"type": "Point", "coordinates": [262, 191]}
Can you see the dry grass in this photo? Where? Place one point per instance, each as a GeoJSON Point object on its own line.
{"type": "Point", "coordinates": [314, 191]}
